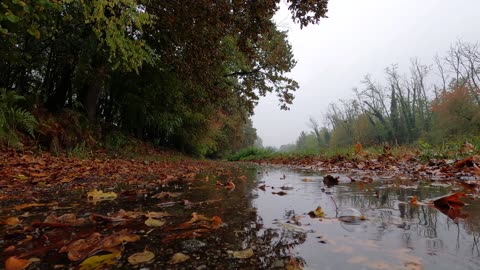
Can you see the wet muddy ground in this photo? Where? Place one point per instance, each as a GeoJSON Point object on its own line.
{"type": "Point", "coordinates": [261, 221]}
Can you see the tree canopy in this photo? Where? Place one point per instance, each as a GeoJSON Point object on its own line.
{"type": "Point", "coordinates": [179, 73]}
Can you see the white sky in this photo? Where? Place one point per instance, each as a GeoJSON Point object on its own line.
{"type": "Point", "coordinates": [360, 37]}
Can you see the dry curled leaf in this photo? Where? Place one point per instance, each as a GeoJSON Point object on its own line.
{"type": "Point", "coordinates": [98, 195]}
{"type": "Point", "coordinates": [243, 254]}
{"type": "Point", "coordinates": [318, 213]}
{"type": "Point", "coordinates": [141, 257]}
{"type": "Point", "coordinates": [151, 222]}
{"type": "Point", "coordinates": [178, 258]}
{"type": "Point", "coordinates": [100, 262]}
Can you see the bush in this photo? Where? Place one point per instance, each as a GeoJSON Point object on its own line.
{"type": "Point", "coordinates": [13, 119]}
{"type": "Point", "coordinates": [252, 153]}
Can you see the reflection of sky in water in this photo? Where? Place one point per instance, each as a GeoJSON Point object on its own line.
{"type": "Point", "coordinates": [395, 236]}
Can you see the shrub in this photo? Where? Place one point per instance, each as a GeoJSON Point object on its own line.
{"type": "Point", "coordinates": [13, 119]}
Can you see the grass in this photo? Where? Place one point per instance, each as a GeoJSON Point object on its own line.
{"type": "Point", "coordinates": [421, 150]}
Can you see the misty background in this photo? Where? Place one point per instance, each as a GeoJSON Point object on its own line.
{"type": "Point", "coordinates": [360, 38]}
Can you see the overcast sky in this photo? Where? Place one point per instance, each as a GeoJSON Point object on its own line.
{"type": "Point", "coordinates": [359, 38]}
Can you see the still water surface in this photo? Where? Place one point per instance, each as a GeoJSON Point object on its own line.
{"type": "Point", "coordinates": [393, 235]}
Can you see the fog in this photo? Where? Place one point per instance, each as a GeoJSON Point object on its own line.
{"type": "Point", "coordinates": [359, 38]}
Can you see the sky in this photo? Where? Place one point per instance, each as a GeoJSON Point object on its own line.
{"type": "Point", "coordinates": [359, 38]}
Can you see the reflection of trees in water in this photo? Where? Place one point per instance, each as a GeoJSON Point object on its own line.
{"type": "Point", "coordinates": [393, 210]}
{"type": "Point", "coordinates": [245, 227]}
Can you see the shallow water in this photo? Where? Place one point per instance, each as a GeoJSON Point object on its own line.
{"type": "Point", "coordinates": [393, 235]}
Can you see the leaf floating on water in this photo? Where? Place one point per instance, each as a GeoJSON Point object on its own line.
{"type": "Point", "coordinates": [318, 213]}
{"type": "Point", "coordinates": [178, 258]}
{"type": "Point", "coordinates": [291, 227]}
{"type": "Point", "coordinates": [100, 262]}
{"type": "Point", "coordinates": [307, 180]}
{"type": "Point", "coordinates": [151, 222]}
{"type": "Point", "coordinates": [294, 264]}
{"type": "Point", "coordinates": [98, 195]}
{"type": "Point", "coordinates": [451, 205]}
{"type": "Point", "coordinates": [14, 263]}
{"type": "Point", "coordinates": [414, 201]}
{"type": "Point", "coordinates": [243, 254]}
{"type": "Point", "coordinates": [141, 257]}
{"type": "Point", "coordinates": [280, 193]}
{"type": "Point", "coordinates": [449, 201]}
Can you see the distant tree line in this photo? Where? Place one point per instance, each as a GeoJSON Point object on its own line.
{"type": "Point", "coordinates": [180, 73]}
{"type": "Point", "coordinates": [433, 103]}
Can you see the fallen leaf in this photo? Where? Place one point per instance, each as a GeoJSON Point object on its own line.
{"type": "Point", "coordinates": [163, 194]}
{"type": "Point", "coordinates": [157, 214]}
{"type": "Point", "coordinates": [329, 180]}
{"type": "Point", "coordinates": [99, 262]}
{"type": "Point", "coordinates": [243, 254]}
{"type": "Point", "coordinates": [11, 221]}
{"type": "Point", "coordinates": [82, 248]}
{"type": "Point", "coordinates": [449, 201]}
{"type": "Point", "coordinates": [476, 170]}
{"type": "Point", "coordinates": [14, 263]}
{"type": "Point", "coordinates": [318, 213]}
{"type": "Point", "coordinates": [30, 205]}
{"type": "Point", "coordinates": [178, 258]}
{"type": "Point", "coordinates": [98, 195]}
{"type": "Point", "coordinates": [230, 185]}
{"type": "Point", "coordinates": [141, 257]}
{"type": "Point", "coordinates": [294, 264]}
{"type": "Point", "coordinates": [307, 180]}
{"type": "Point", "coordinates": [414, 201]}
{"type": "Point", "coordinates": [358, 148]}
{"type": "Point", "coordinates": [68, 219]}
{"type": "Point", "coordinates": [281, 193]}
{"type": "Point", "coordinates": [151, 222]}
{"type": "Point", "coordinates": [216, 222]}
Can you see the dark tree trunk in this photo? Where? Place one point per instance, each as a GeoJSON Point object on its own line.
{"type": "Point", "coordinates": [57, 100]}
{"type": "Point", "coordinates": [93, 90]}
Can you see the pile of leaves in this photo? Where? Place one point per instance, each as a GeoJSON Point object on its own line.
{"type": "Point", "coordinates": [61, 209]}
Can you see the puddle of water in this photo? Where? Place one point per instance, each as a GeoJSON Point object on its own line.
{"type": "Point", "coordinates": [395, 234]}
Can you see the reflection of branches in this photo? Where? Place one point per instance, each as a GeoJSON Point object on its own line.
{"type": "Point", "coordinates": [476, 238]}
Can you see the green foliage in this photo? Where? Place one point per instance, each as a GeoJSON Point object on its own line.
{"type": "Point", "coordinates": [115, 141]}
{"type": "Point", "coordinates": [183, 74]}
{"type": "Point", "coordinates": [252, 153]}
{"type": "Point", "coordinates": [13, 118]}
{"type": "Point", "coordinates": [81, 151]}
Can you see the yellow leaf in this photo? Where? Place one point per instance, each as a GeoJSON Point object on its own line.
{"type": "Point", "coordinates": [317, 213]}
{"type": "Point", "coordinates": [99, 261]}
{"type": "Point", "coordinates": [178, 258]}
{"type": "Point", "coordinates": [141, 257]}
{"type": "Point", "coordinates": [98, 195]}
{"type": "Point", "coordinates": [243, 254]}
{"type": "Point", "coordinates": [154, 222]}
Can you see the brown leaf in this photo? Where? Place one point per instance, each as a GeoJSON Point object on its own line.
{"type": "Point", "coordinates": [358, 148]}
{"type": "Point", "coordinates": [449, 201]}
{"type": "Point", "coordinates": [414, 201]}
